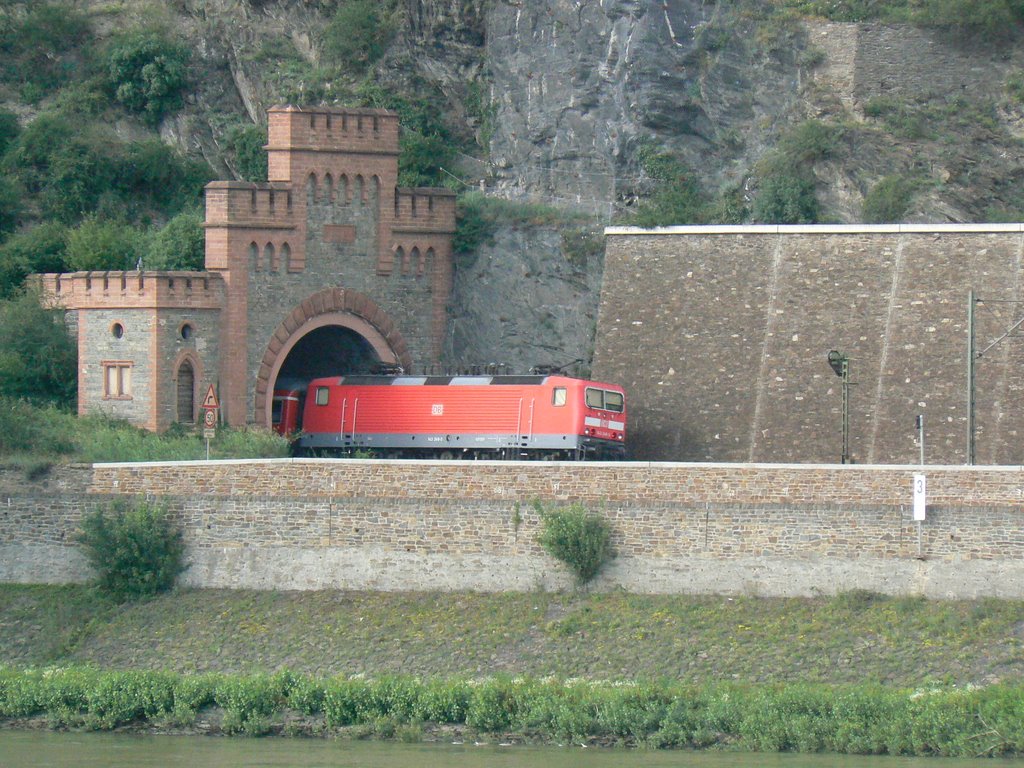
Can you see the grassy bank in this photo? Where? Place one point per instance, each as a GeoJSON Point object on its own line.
{"type": "Point", "coordinates": [855, 673]}
{"type": "Point", "coordinates": [851, 719]}
{"type": "Point", "coordinates": [34, 438]}
{"type": "Point", "coordinates": [853, 638]}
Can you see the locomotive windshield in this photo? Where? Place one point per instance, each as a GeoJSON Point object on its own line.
{"type": "Point", "coordinates": [604, 399]}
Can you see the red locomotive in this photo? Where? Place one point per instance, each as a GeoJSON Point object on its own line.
{"type": "Point", "coordinates": [286, 410]}
{"type": "Point", "coordinates": [470, 417]}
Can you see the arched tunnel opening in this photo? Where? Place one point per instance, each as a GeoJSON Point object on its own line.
{"type": "Point", "coordinates": [331, 350]}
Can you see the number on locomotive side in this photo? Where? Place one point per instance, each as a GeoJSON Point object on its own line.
{"type": "Point", "coordinates": [437, 409]}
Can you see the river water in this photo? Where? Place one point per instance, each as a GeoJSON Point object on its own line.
{"type": "Point", "coordinates": [45, 749]}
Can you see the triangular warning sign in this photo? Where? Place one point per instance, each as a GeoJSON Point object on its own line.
{"type": "Point", "coordinates": [211, 399]}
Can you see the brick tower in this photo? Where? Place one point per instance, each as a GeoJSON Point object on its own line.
{"type": "Point", "coordinates": [327, 266]}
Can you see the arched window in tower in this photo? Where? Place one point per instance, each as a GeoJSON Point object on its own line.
{"type": "Point", "coordinates": [401, 258]}
{"type": "Point", "coordinates": [328, 188]}
{"type": "Point", "coordinates": [255, 262]}
{"type": "Point", "coordinates": [343, 195]}
{"type": "Point", "coordinates": [186, 399]}
{"type": "Point", "coordinates": [426, 262]}
{"type": "Point", "coordinates": [409, 263]}
{"type": "Point", "coordinates": [358, 191]}
{"type": "Point", "coordinates": [374, 190]}
{"type": "Point", "coordinates": [311, 189]}
{"type": "Point", "coordinates": [270, 256]}
{"type": "Point", "coordinates": [286, 257]}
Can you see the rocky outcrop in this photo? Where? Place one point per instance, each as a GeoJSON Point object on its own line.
{"type": "Point", "coordinates": [561, 95]}
{"type": "Point", "coordinates": [527, 299]}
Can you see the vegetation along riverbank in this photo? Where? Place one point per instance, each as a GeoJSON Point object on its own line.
{"type": "Point", "coordinates": [859, 673]}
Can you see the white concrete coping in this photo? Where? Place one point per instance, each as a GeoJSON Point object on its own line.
{"type": "Point", "coordinates": [816, 229]}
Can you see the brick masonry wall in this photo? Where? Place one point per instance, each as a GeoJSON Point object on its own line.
{"type": "Point", "coordinates": [677, 528]}
{"type": "Point", "coordinates": [735, 324]}
{"type": "Point", "coordinates": [907, 63]}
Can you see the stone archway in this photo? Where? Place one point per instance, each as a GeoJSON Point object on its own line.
{"type": "Point", "coordinates": [330, 307]}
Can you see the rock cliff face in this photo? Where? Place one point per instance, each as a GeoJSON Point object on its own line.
{"type": "Point", "coordinates": [527, 299]}
{"type": "Point", "coordinates": [580, 86]}
{"type": "Point", "coordinates": [562, 94]}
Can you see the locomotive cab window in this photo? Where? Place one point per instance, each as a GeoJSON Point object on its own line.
{"type": "Point", "coordinates": [613, 401]}
{"type": "Point", "coordinates": [322, 394]}
{"type": "Point", "coordinates": [604, 400]}
{"type": "Point", "coordinates": [559, 396]}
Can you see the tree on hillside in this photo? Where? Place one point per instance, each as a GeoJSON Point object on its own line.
{"type": "Point", "coordinates": [181, 244]}
{"type": "Point", "coordinates": [147, 73]}
{"type": "Point", "coordinates": [40, 249]}
{"type": "Point", "coordinates": [96, 244]}
{"type": "Point", "coordinates": [38, 360]}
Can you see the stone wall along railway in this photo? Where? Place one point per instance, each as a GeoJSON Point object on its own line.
{"type": "Point", "coordinates": [678, 528]}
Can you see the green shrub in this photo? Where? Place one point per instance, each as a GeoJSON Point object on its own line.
{"type": "Point", "coordinates": [786, 197]}
{"type": "Point", "coordinates": [179, 244]}
{"type": "Point", "coordinates": [10, 205]}
{"type": "Point", "coordinates": [135, 549]}
{"type": "Point", "coordinates": [245, 143]}
{"type": "Point", "coordinates": [494, 705]}
{"type": "Point", "coordinates": [40, 249]}
{"type": "Point", "coordinates": [888, 200]}
{"type": "Point", "coordinates": [38, 360]}
{"type": "Point", "coordinates": [443, 701]}
{"type": "Point", "coordinates": [37, 47]}
{"type": "Point", "coordinates": [343, 700]}
{"type": "Point", "coordinates": [425, 143]}
{"type": "Point", "coordinates": [46, 432]}
{"type": "Point", "coordinates": [147, 72]}
{"type": "Point", "coordinates": [249, 702]}
{"type": "Point", "coordinates": [64, 694]}
{"type": "Point", "coordinates": [359, 32]}
{"type": "Point", "coordinates": [578, 538]}
{"type": "Point", "coordinates": [306, 695]}
{"type": "Point", "coordinates": [123, 697]}
{"type": "Point", "coordinates": [9, 129]}
{"type": "Point", "coordinates": [677, 198]}
{"type": "Point", "coordinates": [19, 693]}
{"type": "Point", "coordinates": [98, 244]}
{"type": "Point", "coordinates": [191, 694]}
{"type": "Point", "coordinates": [473, 226]}
{"type": "Point", "coordinates": [811, 141]}
{"type": "Point", "coordinates": [150, 173]}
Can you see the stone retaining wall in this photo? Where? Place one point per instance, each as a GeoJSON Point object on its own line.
{"type": "Point", "coordinates": [677, 528]}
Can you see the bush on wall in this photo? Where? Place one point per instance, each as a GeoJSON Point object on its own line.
{"type": "Point", "coordinates": [135, 549]}
{"type": "Point", "coordinates": [579, 538]}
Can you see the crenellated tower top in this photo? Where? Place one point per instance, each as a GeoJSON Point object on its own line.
{"type": "Point", "coordinates": [298, 138]}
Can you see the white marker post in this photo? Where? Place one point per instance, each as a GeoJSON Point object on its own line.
{"type": "Point", "coordinates": [920, 507]}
